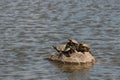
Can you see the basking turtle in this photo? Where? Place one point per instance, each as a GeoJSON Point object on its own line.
{"type": "Point", "coordinates": [83, 47]}
{"type": "Point", "coordinates": [72, 44]}
{"type": "Point", "coordinates": [73, 41]}
{"type": "Point", "coordinates": [61, 50]}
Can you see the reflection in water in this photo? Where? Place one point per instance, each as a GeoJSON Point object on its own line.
{"type": "Point", "coordinates": [82, 75]}
{"type": "Point", "coordinates": [75, 71]}
{"type": "Point", "coordinates": [73, 67]}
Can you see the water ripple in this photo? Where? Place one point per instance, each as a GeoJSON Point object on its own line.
{"type": "Point", "coordinates": [28, 29]}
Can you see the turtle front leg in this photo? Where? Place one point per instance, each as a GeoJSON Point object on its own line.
{"type": "Point", "coordinates": [56, 48]}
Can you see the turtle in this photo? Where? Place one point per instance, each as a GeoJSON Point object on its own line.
{"type": "Point", "coordinates": [72, 41]}
{"type": "Point", "coordinates": [67, 48]}
{"type": "Point", "coordinates": [61, 50]}
{"type": "Point", "coordinates": [83, 47]}
{"type": "Point", "coordinates": [72, 44]}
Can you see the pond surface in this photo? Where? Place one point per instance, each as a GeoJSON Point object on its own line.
{"type": "Point", "coordinates": [28, 29]}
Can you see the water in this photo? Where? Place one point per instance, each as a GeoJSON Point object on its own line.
{"type": "Point", "coordinates": [28, 29]}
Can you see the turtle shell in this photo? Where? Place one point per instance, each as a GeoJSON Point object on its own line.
{"type": "Point", "coordinates": [62, 47]}
{"type": "Point", "coordinates": [73, 41]}
{"type": "Point", "coordinates": [84, 45]}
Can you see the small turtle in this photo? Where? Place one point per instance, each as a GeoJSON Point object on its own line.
{"type": "Point", "coordinates": [83, 47]}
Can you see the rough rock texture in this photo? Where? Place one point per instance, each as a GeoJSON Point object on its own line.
{"type": "Point", "coordinates": [76, 57]}
{"type": "Point", "coordinates": [80, 54]}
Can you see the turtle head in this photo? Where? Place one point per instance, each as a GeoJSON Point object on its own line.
{"type": "Point", "coordinates": [84, 45]}
{"type": "Point", "coordinates": [72, 41]}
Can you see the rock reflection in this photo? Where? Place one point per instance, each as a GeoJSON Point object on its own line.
{"type": "Point", "coordinates": [69, 68]}
{"type": "Point", "coordinates": [75, 71]}
{"type": "Point", "coordinates": [82, 75]}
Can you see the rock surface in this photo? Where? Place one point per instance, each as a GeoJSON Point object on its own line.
{"type": "Point", "coordinates": [76, 57]}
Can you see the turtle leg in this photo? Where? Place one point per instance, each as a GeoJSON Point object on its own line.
{"type": "Point", "coordinates": [68, 53]}
{"type": "Point", "coordinates": [60, 55]}
{"type": "Point", "coordinates": [56, 48]}
{"type": "Point", "coordinates": [91, 53]}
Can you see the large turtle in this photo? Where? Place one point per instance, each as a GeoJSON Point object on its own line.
{"type": "Point", "coordinates": [72, 44]}
{"type": "Point", "coordinates": [67, 48]}
{"type": "Point", "coordinates": [61, 50]}
{"type": "Point", "coordinates": [73, 41]}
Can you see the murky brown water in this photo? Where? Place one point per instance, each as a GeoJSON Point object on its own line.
{"type": "Point", "coordinates": [28, 29]}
